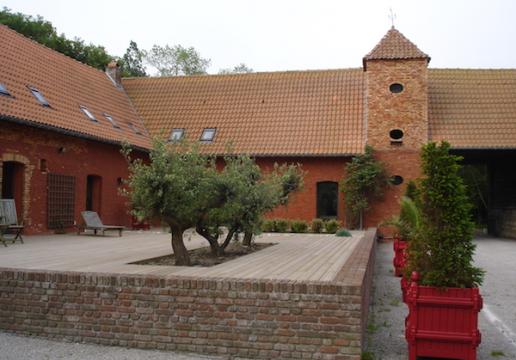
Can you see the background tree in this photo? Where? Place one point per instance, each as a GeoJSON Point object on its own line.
{"type": "Point", "coordinates": [42, 31]}
{"type": "Point", "coordinates": [239, 69]}
{"type": "Point", "coordinates": [131, 64]}
{"type": "Point", "coordinates": [176, 60]}
{"type": "Point", "coordinates": [365, 182]}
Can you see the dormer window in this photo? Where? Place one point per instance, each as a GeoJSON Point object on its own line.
{"type": "Point", "coordinates": [88, 113]}
{"type": "Point", "coordinates": [39, 96]}
{"type": "Point", "coordinates": [208, 134]}
{"type": "Point", "coordinates": [3, 90]}
{"type": "Point", "coordinates": [176, 135]}
{"type": "Point", "coordinates": [111, 120]}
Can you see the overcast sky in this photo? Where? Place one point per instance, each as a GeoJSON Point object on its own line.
{"type": "Point", "coordinates": [270, 35]}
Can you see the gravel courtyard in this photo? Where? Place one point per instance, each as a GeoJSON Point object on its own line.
{"type": "Point", "coordinates": [386, 339]}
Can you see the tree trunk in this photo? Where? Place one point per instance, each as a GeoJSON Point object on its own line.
{"type": "Point", "coordinates": [180, 252]}
{"type": "Point", "coordinates": [248, 236]}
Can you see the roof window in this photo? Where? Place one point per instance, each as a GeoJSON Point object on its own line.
{"type": "Point", "coordinates": [88, 113]}
{"type": "Point", "coordinates": [3, 90]}
{"type": "Point", "coordinates": [39, 96]}
{"type": "Point", "coordinates": [176, 135]}
{"type": "Point", "coordinates": [208, 134]}
{"type": "Point", "coordinates": [133, 128]}
{"type": "Point", "coordinates": [111, 120]}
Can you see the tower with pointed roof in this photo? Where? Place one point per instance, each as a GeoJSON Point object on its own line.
{"type": "Point", "coordinates": [396, 120]}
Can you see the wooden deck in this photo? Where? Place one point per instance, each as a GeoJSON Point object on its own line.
{"type": "Point", "coordinates": [308, 257]}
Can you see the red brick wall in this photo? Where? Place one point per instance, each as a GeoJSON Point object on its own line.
{"type": "Point", "coordinates": [303, 205]}
{"type": "Point", "coordinates": [80, 159]}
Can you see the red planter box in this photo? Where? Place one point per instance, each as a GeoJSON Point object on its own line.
{"type": "Point", "coordinates": [405, 283]}
{"type": "Point", "coordinates": [442, 323]}
{"type": "Point", "coordinates": [400, 256]}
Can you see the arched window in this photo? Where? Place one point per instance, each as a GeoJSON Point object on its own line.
{"type": "Point", "coordinates": [327, 199]}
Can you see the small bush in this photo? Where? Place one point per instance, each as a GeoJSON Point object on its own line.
{"type": "Point", "coordinates": [268, 226]}
{"type": "Point", "coordinates": [281, 225]}
{"type": "Point", "coordinates": [332, 226]}
{"type": "Point", "coordinates": [299, 226]}
{"type": "Point", "coordinates": [317, 226]}
{"type": "Point", "coordinates": [343, 232]}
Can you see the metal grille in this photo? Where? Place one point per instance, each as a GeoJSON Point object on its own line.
{"type": "Point", "coordinates": [61, 201]}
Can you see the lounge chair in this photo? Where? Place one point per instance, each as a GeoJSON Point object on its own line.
{"type": "Point", "coordinates": [93, 222]}
{"type": "Point", "coordinates": [9, 228]}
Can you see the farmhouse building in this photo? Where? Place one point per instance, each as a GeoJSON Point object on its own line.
{"type": "Point", "coordinates": [62, 123]}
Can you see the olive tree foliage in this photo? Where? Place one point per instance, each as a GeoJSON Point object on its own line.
{"type": "Point", "coordinates": [366, 179]}
{"type": "Point", "coordinates": [183, 188]}
{"type": "Point", "coordinates": [176, 60]}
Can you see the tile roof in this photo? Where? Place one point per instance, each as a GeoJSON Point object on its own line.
{"type": "Point", "coordinates": [279, 113]}
{"type": "Point", "coordinates": [473, 108]}
{"type": "Point", "coordinates": [66, 84]}
{"type": "Point", "coordinates": [394, 46]}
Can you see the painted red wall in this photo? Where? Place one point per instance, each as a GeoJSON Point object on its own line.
{"type": "Point", "coordinates": [80, 159]}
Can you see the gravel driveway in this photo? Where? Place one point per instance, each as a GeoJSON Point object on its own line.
{"type": "Point", "coordinates": [386, 339]}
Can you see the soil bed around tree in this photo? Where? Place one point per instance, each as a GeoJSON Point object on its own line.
{"type": "Point", "coordinates": [203, 257]}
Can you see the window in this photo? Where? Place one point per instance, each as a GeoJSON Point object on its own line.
{"type": "Point", "coordinates": [208, 134]}
{"type": "Point", "coordinates": [396, 135]}
{"type": "Point", "coordinates": [133, 128]}
{"type": "Point", "coordinates": [327, 199]}
{"type": "Point", "coordinates": [176, 134]}
{"type": "Point", "coordinates": [396, 88]}
{"type": "Point", "coordinates": [88, 113]}
{"type": "Point", "coordinates": [39, 96]}
{"type": "Point", "coordinates": [3, 90]}
{"type": "Point", "coordinates": [111, 120]}
{"type": "Point", "coordinates": [396, 180]}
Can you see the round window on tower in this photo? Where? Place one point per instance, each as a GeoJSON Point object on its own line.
{"type": "Point", "coordinates": [396, 135]}
{"type": "Point", "coordinates": [396, 180]}
{"type": "Point", "coordinates": [396, 88]}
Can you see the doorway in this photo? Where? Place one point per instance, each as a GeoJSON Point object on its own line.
{"type": "Point", "coordinates": [13, 180]}
{"type": "Point", "coordinates": [327, 199]}
{"type": "Point", "coordinates": [93, 193]}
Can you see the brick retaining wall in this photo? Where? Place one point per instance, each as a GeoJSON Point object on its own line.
{"type": "Point", "coordinates": [231, 317]}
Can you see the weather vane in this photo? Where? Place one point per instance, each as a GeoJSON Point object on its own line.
{"type": "Point", "coordinates": [392, 16]}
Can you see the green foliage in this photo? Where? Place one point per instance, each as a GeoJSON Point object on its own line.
{"type": "Point", "coordinates": [299, 226]}
{"type": "Point", "coordinates": [442, 251]}
{"type": "Point", "coordinates": [365, 182]}
{"type": "Point", "coordinates": [331, 226]}
{"type": "Point", "coordinates": [317, 226]}
{"type": "Point", "coordinates": [343, 233]}
{"type": "Point", "coordinates": [239, 69]}
{"type": "Point", "coordinates": [43, 32]}
{"type": "Point", "coordinates": [281, 225]}
{"type": "Point", "coordinates": [367, 355]}
{"type": "Point", "coordinates": [408, 222]}
{"type": "Point", "coordinates": [475, 177]}
{"type": "Point", "coordinates": [268, 225]}
{"type": "Point", "coordinates": [131, 64]}
{"type": "Point", "coordinates": [411, 191]}
{"type": "Point", "coordinates": [176, 60]}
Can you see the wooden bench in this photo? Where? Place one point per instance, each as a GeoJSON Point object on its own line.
{"type": "Point", "coordinates": [92, 222]}
{"type": "Point", "coordinates": [9, 227]}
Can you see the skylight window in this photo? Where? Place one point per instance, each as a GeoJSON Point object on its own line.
{"type": "Point", "coordinates": [88, 113]}
{"type": "Point", "coordinates": [111, 120]}
{"type": "Point", "coordinates": [3, 90]}
{"type": "Point", "coordinates": [39, 96]}
{"type": "Point", "coordinates": [208, 134]}
{"type": "Point", "coordinates": [133, 128]}
{"type": "Point", "coordinates": [176, 135]}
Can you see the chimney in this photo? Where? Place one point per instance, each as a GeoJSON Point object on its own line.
{"type": "Point", "coordinates": [113, 71]}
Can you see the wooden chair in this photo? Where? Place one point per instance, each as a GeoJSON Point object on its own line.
{"type": "Point", "coordinates": [92, 222]}
{"type": "Point", "coordinates": [9, 227]}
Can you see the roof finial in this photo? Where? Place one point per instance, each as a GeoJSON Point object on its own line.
{"type": "Point", "coordinates": [392, 17]}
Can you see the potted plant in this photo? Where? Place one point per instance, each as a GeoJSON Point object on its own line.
{"type": "Point", "coordinates": [443, 296]}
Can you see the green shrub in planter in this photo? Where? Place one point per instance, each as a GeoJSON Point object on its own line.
{"type": "Point", "coordinates": [343, 232]}
{"type": "Point", "coordinates": [281, 225]}
{"type": "Point", "coordinates": [332, 226]}
{"type": "Point", "coordinates": [268, 225]}
{"type": "Point", "coordinates": [442, 249]}
{"type": "Point", "coordinates": [317, 226]}
{"type": "Point", "coordinates": [299, 226]}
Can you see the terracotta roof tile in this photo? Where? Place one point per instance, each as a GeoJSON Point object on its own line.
{"type": "Point", "coordinates": [66, 84]}
{"type": "Point", "coordinates": [473, 108]}
{"type": "Point", "coordinates": [394, 45]}
{"type": "Point", "coordinates": [279, 113]}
